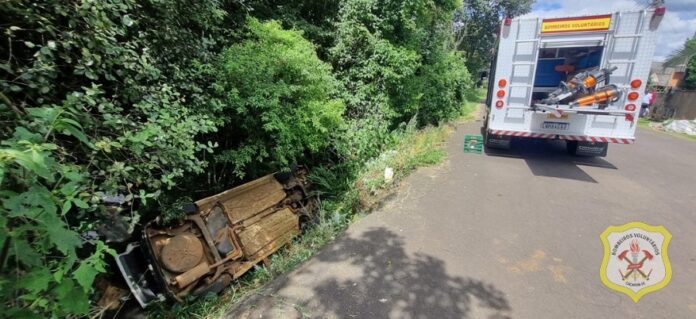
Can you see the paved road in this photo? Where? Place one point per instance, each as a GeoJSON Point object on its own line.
{"type": "Point", "coordinates": [513, 236]}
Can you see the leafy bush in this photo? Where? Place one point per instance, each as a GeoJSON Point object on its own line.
{"type": "Point", "coordinates": [371, 67]}
{"type": "Point", "coordinates": [690, 78]}
{"type": "Point", "coordinates": [396, 60]}
{"type": "Point", "coordinates": [444, 86]}
{"type": "Point", "coordinates": [279, 98]}
{"type": "Point", "coordinates": [128, 99]}
{"type": "Point", "coordinates": [85, 114]}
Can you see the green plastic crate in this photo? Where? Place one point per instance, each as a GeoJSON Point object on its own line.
{"type": "Point", "coordinates": [473, 143]}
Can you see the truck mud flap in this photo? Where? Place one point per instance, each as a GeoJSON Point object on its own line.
{"type": "Point", "coordinates": [497, 141]}
{"type": "Point", "coordinates": [595, 149]}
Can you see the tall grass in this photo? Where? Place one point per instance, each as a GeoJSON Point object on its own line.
{"type": "Point", "coordinates": [416, 149]}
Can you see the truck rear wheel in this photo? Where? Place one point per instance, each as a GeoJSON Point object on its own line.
{"type": "Point", "coordinates": [493, 141]}
{"type": "Point", "coordinates": [571, 147]}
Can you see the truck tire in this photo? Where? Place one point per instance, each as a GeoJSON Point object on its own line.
{"type": "Point", "coordinates": [571, 147]}
{"type": "Point", "coordinates": [495, 142]}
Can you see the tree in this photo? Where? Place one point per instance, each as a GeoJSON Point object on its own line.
{"type": "Point", "coordinates": [316, 18]}
{"type": "Point", "coordinates": [686, 55]}
{"type": "Point", "coordinates": [278, 97]}
{"type": "Point", "coordinates": [690, 78]}
{"type": "Point", "coordinates": [683, 54]}
{"type": "Point", "coordinates": [476, 23]}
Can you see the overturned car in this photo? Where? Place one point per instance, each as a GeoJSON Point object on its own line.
{"type": "Point", "coordinates": [221, 238]}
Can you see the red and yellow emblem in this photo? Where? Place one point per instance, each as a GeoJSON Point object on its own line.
{"type": "Point", "coordinates": [635, 259]}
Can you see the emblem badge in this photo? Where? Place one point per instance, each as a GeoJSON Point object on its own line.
{"type": "Point", "coordinates": [635, 259]}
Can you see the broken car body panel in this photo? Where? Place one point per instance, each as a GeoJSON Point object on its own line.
{"type": "Point", "coordinates": [224, 236]}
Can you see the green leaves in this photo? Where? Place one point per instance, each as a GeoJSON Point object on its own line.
{"type": "Point", "coordinates": [127, 98]}
{"type": "Point", "coordinates": [90, 267]}
{"type": "Point", "coordinates": [65, 240]}
{"type": "Point", "coordinates": [25, 160]}
{"type": "Point", "coordinates": [107, 101]}
{"type": "Point", "coordinates": [36, 281]}
{"type": "Point", "coordinates": [73, 299]}
{"type": "Point", "coordinates": [690, 79]}
{"type": "Point", "coordinates": [396, 61]}
{"type": "Point", "coordinates": [60, 120]}
{"type": "Point", "coordinates": [25, 253]}
{"type": "Point", "coordinates": [84, 275]}
{"type": "Point", "coordinates": [280, 96]}
{"type": "Point", "coordinates": [477, 19]}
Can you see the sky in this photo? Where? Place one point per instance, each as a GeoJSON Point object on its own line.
{"type": "Point", "coordinates": [678, 24]}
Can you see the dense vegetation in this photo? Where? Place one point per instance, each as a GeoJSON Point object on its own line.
{"type": "Point", "coordinates": [143, 102]}
{"type": "Point", "coordinates": [690, 78]}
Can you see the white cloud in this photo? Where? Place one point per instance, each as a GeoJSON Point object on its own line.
{"type": "Point", "coordinates": [673, 32]}
{"type": "Point", "coordinates": [678, 24]}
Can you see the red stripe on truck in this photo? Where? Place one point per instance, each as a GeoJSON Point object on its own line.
{"type": "Point", "coordinates": [584, 138]}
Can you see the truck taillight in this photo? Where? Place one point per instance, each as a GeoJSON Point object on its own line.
{"type": "Point", "coordinates": [636, 83]}
{"type": "Point", "coordinates": [500, 93]}
{"type": "Point", "coordinates": [630, 107]}
{"type": "Point", "coordinates": [502, 83]}
{"type": "Point", "coordinates": [499, 104]}
{"type": "Point", "coordinates": [633, 96]}
{"type": "Point", "coordinates": [629, 117]}
{"type": "Point", "coordinates": [507, 21]}
{"type": "Point", "coordinates": [657, 16]}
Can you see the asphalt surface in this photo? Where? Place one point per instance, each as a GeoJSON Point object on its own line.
{"type": "Point", "coordinates": [512, 235]}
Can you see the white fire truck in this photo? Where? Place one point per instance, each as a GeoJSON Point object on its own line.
{"type": "Point", "coordinates": [578, 79]}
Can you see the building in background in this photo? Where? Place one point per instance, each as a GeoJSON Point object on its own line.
{"type": "Point", "coordinates": [673, 101]}
{"type": "Point", "coordinates": [666, 78]}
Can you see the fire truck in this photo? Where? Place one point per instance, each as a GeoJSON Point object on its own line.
{"type": "Point", "coordinates": [577, 79]}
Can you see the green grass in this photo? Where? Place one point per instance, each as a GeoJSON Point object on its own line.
{"type": "Point", "coordinates": [644, 122]}
{"type": "Point", "coordinates": [474, 97]}
{"type": "Point", "coordinates": [347, 197]}
{"type": "Point", "coordinates": [416, 149]}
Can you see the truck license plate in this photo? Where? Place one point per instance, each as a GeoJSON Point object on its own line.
{"type": "Point", "coordinates": [557, 126]}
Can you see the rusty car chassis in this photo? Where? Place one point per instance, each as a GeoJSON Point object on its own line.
{"type": "Point", "coordinates": [221, 238]}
